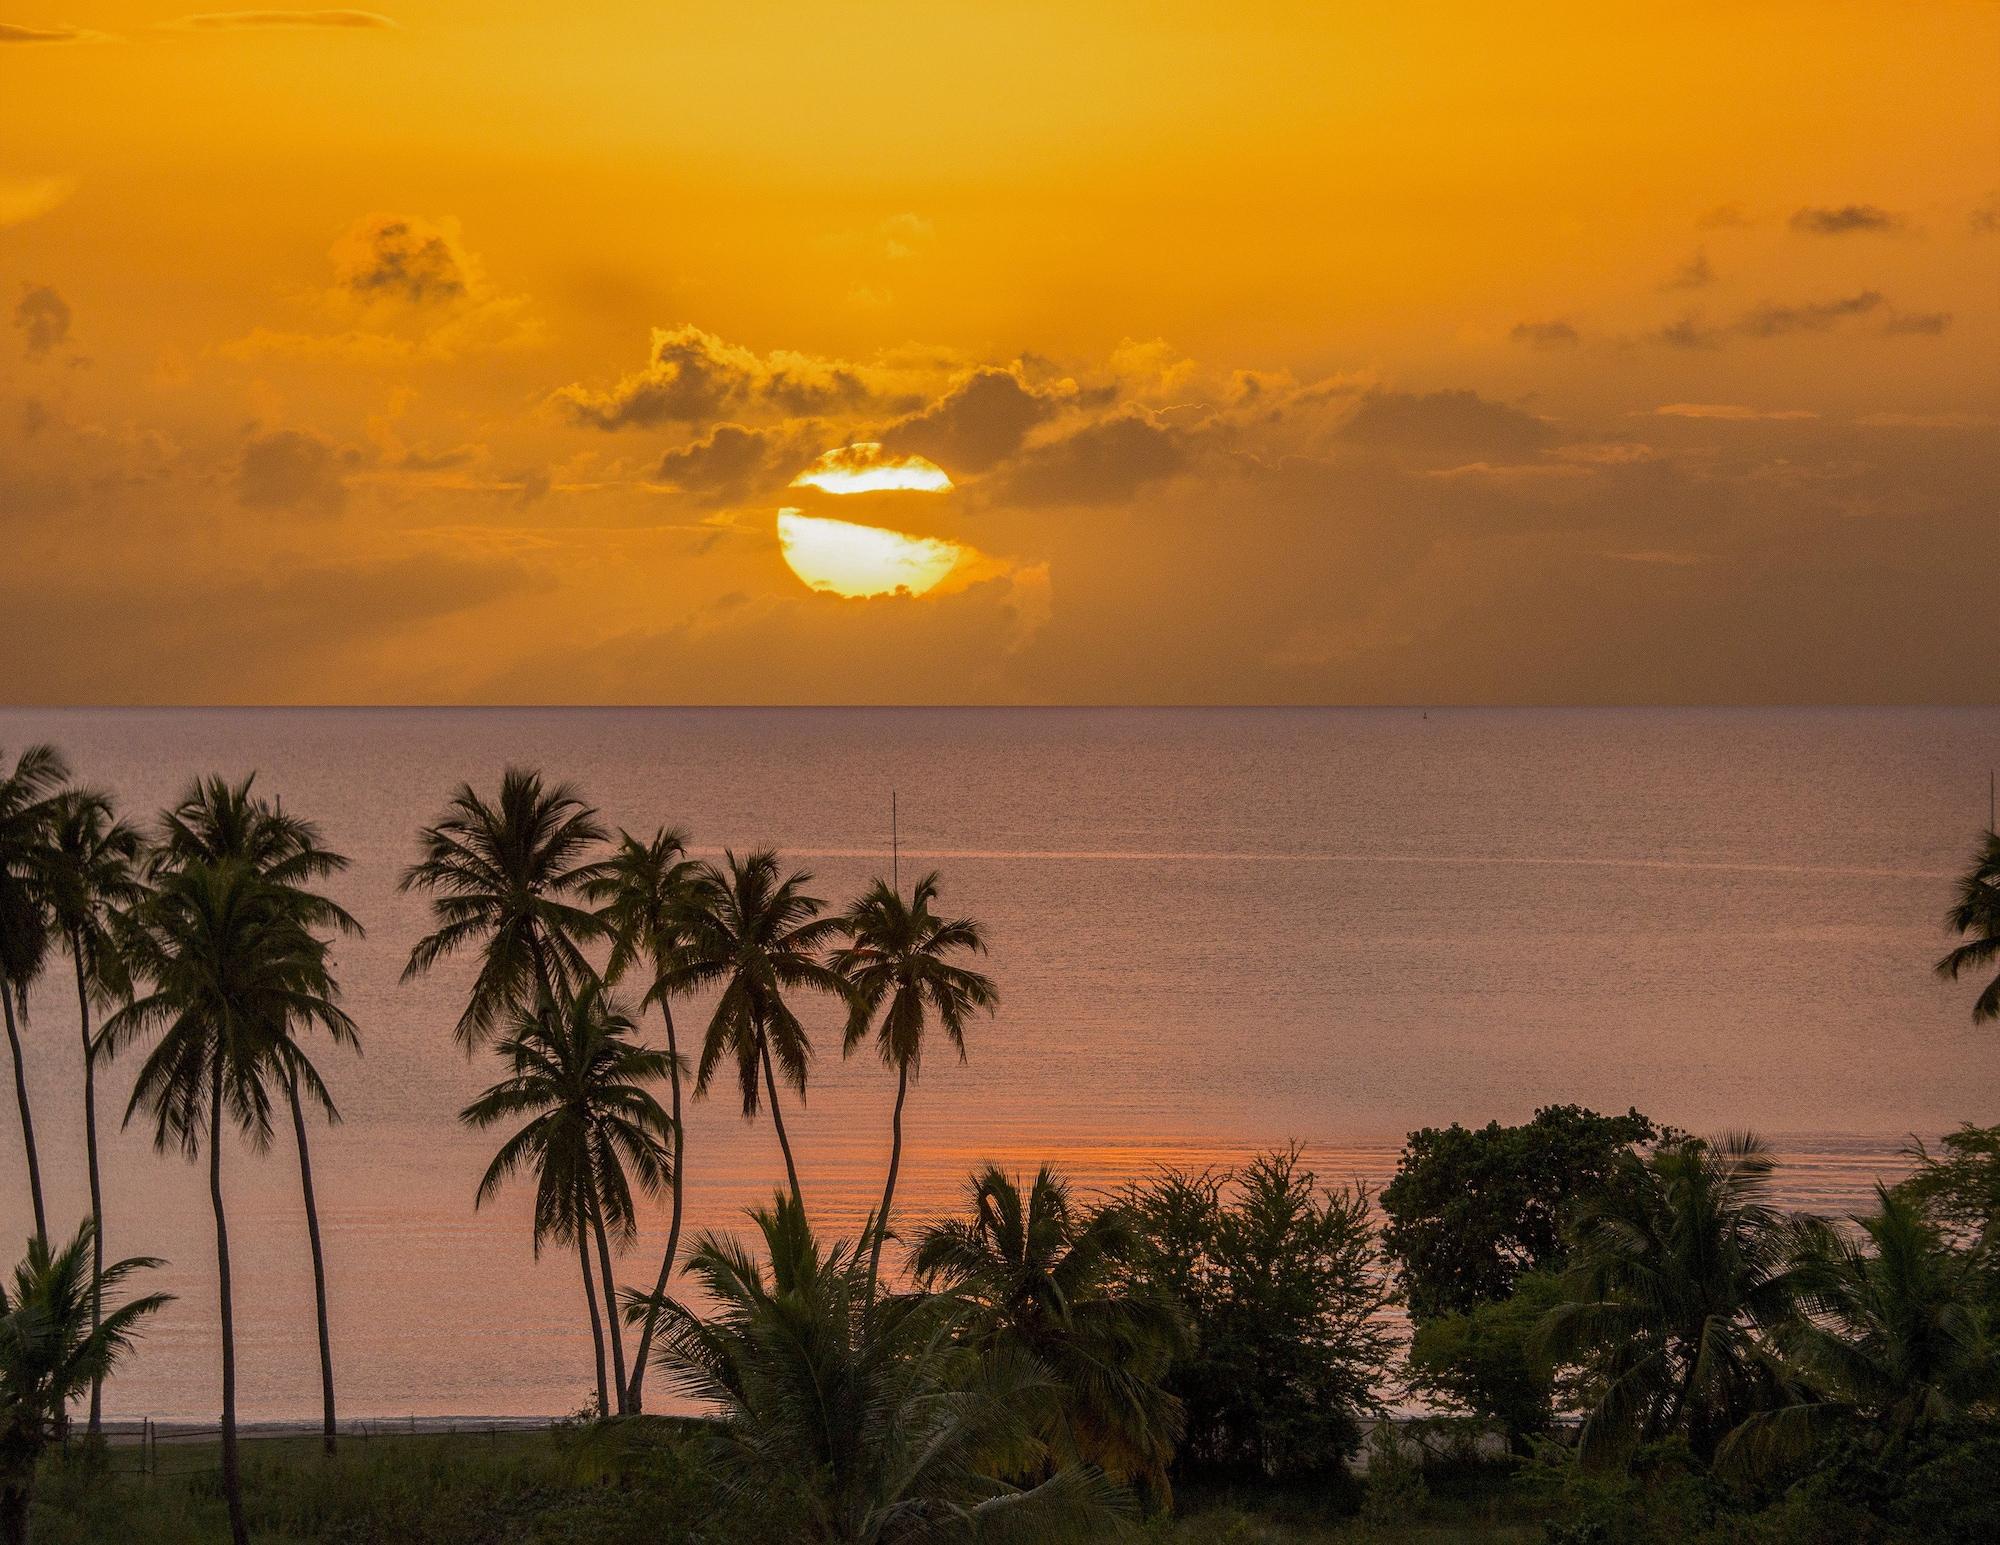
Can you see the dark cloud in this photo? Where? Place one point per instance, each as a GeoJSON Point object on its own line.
{"type": "Point", "coordinates": [1557, 334]}
{"type": "Point", "coordinates": [1451, 423]}
{"type": "Point", "coordinates": [1103, 463]}
{"type": "Point", "coordinates": [1773, 321]}
{"type": "Point", "coordinates": [1845, 220]}
{"type": "Point", "coordinates": [1695, 274]}
{"type": "Point", "coordinates": [1724, 217]}
{"type": "Point", "coordinates": [693, 377]}
{"type": "Point", "coordinates": [400, 257]}
{"type": "Point", "coordinates": [1985, 220]}
{"type": "Point", "coordinates": [1689, 333]}
{"type": "Point", "coordinates": [729, 462]}
{"type": "Point", "coordinates": [1927, 324]}
{"type": "Point", "coordinates": [981, 421]}
{"type": "Point", "coordinates": [10, 32]}
{"type": "Point", "coordinates": [43, 317]}
{"type": "Point", "coordinates": [224, 21]}
{"type": "Point", "coordinates": [293, 470]}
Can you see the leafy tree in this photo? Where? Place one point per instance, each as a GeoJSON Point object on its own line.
{"type": "Point", "coordinates": [642, 892]}
{"type": "Point", "coordinates": [593, 1127]}
{"type": "Point", "coordinates": [1679, 1279]}
{"type": "Point", "coordinates": [505, 877]}
{"type": "Point", "coordinates": [898, 963]}
{"type": "Point", "coordinates": [1282, 1283]}
{"type": "Point", "coordinates": [1975, 915]}
{"type": "Point", "coordinates": [56, 1340]}
{"type": "Point", "coordinates": [1054, 1282]}
{"type": "Point", "coordinates": [231, 974]}
{"type": "Point", "coordinates": [870, 1415]}
{"type": "Point", "coordinates": [1484, 1360]}
{"type": "Point", "coordinates": [757, 937]}
{"type": "Point", "coordinates": [1470, 1211]}
{"type": "Point", "coordinates": [27, 807]}
{"type": "Point", "coordinates": [1960, 1188]}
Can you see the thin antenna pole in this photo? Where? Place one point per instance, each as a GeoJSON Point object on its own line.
{"type": "Point", "coordinates": [895, 849]}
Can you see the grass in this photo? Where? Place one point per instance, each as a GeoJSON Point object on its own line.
{"type": "Point", "coordinates": [629, 1485]}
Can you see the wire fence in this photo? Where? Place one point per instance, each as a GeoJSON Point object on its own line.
{"type": "Point", "coordinates": [148, 1451]}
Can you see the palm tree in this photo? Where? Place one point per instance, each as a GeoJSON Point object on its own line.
{"type": "Point", "coordinates": [218, 822]}
{"type": "Point", "coordinates": [642, 892]}
{"type": "Point", "coordinates": [869, 1417]}
{"type": "Point", "coordinates": [231, 974]}
{"type": "Point", "coordinates": [1678, 1283]}
{"type": "Point", "coordinates": [55, 1341]}
{"type": "Point", "coordinates": [580, 1078]}
{"type": "Point", "coordinates": [1976, 914]}
{"type": "Point", "coordinates": [898, 962]}
{"type": "Point", "coordinates": [758, 936]}
{"type": "Point", "coordinates": [93, 879]}
{"type": "Point", "coordinates": [501, 876]}
{"type": "Point", "coordinates": [1048, 1279]}
{"type": "Point", "coordinates": [27, 801]}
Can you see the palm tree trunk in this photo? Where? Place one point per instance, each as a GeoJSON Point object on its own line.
{"type": "Point", "coordinates": [14, 1514]}
{"type": "Point", "coordinates": [96, 1425]}
{"type": "Point", "coordinates": [596, 1325]}
{"type": "Point", "coordinates": [232, 1478]}
{"type": "Point", "coordinates": [889, 1190]}
{"type": "Point", "coordinates": [327, 1420]}
{"type": "Point", "coordinates": [673, 1227]}
{"type": "Point", "coordinates": [778, 1121]}
{"type": "Point", "coordinates": [27, 1115]}
{"type": "Point", "coordinates": [610, 1302]}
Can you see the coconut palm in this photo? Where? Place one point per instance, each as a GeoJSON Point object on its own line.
{"type": "Point", "coordinates": [27, 805]}
{"type": "Point", "coordinates": [502, 876]}
{"type": "Point", "coordinates": [1679, 1281]}
{"type": "Point", "coordinates": [594, 1127]}
{"type": "Point", "coordinates": [898, 962]}
{"type": "Point", "coordinates": [56, 1341]}
{"type": "Point", "coordinates": [757, 936]}
{"type": "Point", "coordinates": [1976, 916]}
{"type": "Point", "coordinates": [642, 896]}
{"type": "Point", "coordinates": [869, 1417]}
{"type": "Point", "coordinates": [1049, 1279]}
{"type": "Point", "coordinates": [231, 976]}
{"type": "Point", "coordinates": [92, 880]}
{"type": "Point", "coordinates": [217, 822]}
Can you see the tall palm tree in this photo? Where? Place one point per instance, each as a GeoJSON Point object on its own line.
{"type": "Point", "coordinates": [898, 963]}
{"type": "Point", "coordinates": [1976, 915]}
{"type": "Point", "coordinates": [231, 975]}
{"type": "Point", "coordinates": [27, 803]}
{"type": "Point", "coordinates": [642, 895]}
{"type": "Point", "coordinates": [502, 876]}
{"type": "Point", "coordinates": [1049, 1279]}
{"type": "Point", "coordinates": [593, 1128]}
{"type": "Point", "coordinates": [93, 880]}
{"type": "Point", "coordinates": [757, 936]}
{"type": "Point", "coordinates": [1678, 1284]}
{"type": "Point", "coordinates": [219, 822]}
{"type": "Point", "coordinates": [55, 1340]}
{"type": "Point", "coordinates": [867, 1417]}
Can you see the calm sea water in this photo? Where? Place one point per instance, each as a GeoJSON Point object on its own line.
{"type": "Point", "coordinates": [1214, 930]}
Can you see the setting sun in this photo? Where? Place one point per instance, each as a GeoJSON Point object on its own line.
{"type": "Point", "coordinates": [864, 468]}
{"type": "Point", "coordinates": [854, 560]}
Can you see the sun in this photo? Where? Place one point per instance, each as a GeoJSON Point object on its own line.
{"type": "Point", "coordinates": [865, 468]}
{"type": "Point", "coordinates": [854, 560]}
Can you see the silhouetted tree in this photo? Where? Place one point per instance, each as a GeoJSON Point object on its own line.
{"type": "Point", "coordinates": [27, 806]}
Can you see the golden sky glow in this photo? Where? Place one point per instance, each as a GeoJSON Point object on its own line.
{"type": "Point", "coordinates": [1374, 352]}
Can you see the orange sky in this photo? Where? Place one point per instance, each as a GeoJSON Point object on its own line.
{"type": "Point", "coordinates": [1276, 353]}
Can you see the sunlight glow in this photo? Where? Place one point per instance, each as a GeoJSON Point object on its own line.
{"type": "Point", "coordinates": [853, 560]}
{"type": "Point", "coordinates": [864, 468]}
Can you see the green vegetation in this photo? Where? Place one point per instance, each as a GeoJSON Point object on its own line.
{"type": "Point", "coordinates": [1626, 1340]}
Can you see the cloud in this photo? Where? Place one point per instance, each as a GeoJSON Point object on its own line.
{"type": "Point", "coordinates": [400, 257]}
{"type": "Point", "coordinates": [1557, 334]}
{"type": "Point", "coordinates": [1102, 463]}
{"type": "Point", "coordinates": [293, 470]}
{"type": "Point", "coordinates": [1731, 412]}
{"type": "Point", "coordinates": [1985, 220]}
{"type": "Point", "coordinates": [1845, 220]}
{"type": "Point", "coordinates": [731, 461]}
{"type": "Point", "coordinates": [1695, 274]}
{"type": "Point", "coordinates": [1774, 321]}
{"type": "Point", "coordinates": [1460, 424]}
{"type": "Point", "coordinates": [25, 198]}
{"type": "Point", "coordinates": [980, 422]}
{"type": "Point", "coordinates": [43, 317]}
{"type": "Point", "coordinates": [1724, 217]}
{"type": "Point", "coordinates": [1920, 323]}
{"type": "Point", "coordinates": [692, 376]}
{"type": "Point", "coordinates": [228, 21]}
